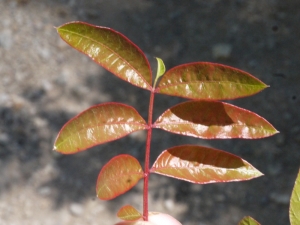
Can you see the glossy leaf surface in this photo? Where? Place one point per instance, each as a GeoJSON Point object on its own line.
{"type": "Point", "coordinates": [210, 119]}
{"type": "Point", "coordinates": [248, 221]}
{"type": "Point", "coordinates": [295, 203]}
{"type": "Point", "coordinates": [201, 165]}
{"type": "Point", "coordinates": [129, 213]}
{"type": "Point", "coordinates": [119, 175]}
{"type": "Point", "coordinates": [98, 124]}
{"type": "Point", "coordinates": [111, 50]}
{"type": "Point", "coordinates": [204, 80]}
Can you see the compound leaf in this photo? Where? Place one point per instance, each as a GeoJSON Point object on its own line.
{"type": "Point", "coordinates": [119, 175]}
{"type": "Point", "coordinates": [201, 165]}
{"type": "Point", "coordinates": [99, 124]}
{"type": "Point", "coordinates": [129, 213]}
{"type": "Point", "coordinates": [203, 80]}
{"type": "Point", "coordinates": [248, 221]}
{"type": "Point", "coordinates": [295, 203]}
{"type": "Point", "coordinates": [210, 119]}
{"type": "Point", "coordinates": [110, 49]}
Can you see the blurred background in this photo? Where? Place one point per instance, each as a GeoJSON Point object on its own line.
{"type": "Point", "coordinates": [44, 83]}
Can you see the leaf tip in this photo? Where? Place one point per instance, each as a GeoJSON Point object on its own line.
{"type": "Point", "coordinates": [259, 174]}
{"type": "Point", "coordinates": [274, 132]}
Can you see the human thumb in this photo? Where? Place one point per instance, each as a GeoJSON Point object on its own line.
{"type": "Point", "coordinates": [155, 218]}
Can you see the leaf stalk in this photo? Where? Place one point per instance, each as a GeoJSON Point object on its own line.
{"type": "Point", "coordinates": [147, 157]}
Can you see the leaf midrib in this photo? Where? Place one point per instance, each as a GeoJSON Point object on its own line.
{"type": "Point", "coordinates": [208, 82]}
{"type": "Point", "coordinates": [105, 46]}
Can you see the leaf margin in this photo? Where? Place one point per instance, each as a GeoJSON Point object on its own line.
{"type": "Point", "coordinates": [147, 83]}
{"type": "Point", "coordinates": [177, 149]}
{"type": "Point", "coordinates": [294, 209]}
{"type": "Point", "coordinates": [164, 81]}
{"type": "Point", "coordinates": [81, 114]}
{"type": "Point", "coordinates": [197, 126]}
{"type": "Point", "coordinates": [139, 173]}
{"type": "Point", "coordinates": [133, 215]}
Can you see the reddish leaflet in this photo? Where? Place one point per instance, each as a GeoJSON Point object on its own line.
{"type": "Point", "coordinates": [202, 117]}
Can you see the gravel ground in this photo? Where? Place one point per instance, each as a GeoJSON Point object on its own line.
{"type": "Point", "coordinates": [44, 83]}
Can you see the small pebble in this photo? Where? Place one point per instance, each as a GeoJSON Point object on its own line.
{"type": "Point", "coordinates": [169, 204]}
{"type": "Point", "coordinates": [280, 139]}
{"type": "Point", "coordinates": [6, 39]}
{"type": "Point", "coordinates": [221, 51]}
{"type": "Point", "coordinates": [280, 198]}
{"type": "Point", "coordinates": [274, 169]}
{"type": "Point", "coordinates": [220, 198]}
{"type": "Point", "coordinates": [4, 138]}
{"type": "Point", "coordinates": [45, 191]}
{"type": "Point", "coordinates": [76, 209]}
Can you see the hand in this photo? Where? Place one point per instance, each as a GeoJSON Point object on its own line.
{"type": "Point", "coordinates": [154, 218]}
